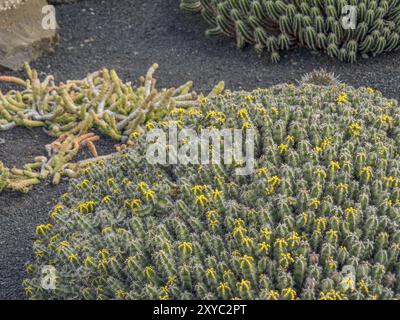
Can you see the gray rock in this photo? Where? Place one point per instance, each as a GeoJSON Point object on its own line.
{"type": "Point", "coordinates": [22, 36]}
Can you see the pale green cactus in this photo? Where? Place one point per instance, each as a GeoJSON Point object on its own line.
{"type": "Point", "coordinates": [324, 199]}
{"type": "Point", "coordinates": [71, 111]}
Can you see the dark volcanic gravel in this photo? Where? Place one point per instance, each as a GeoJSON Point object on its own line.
{"type": "Point", "coordinates": [130, 35]}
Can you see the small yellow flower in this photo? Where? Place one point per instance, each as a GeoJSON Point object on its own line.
{"type": "Point", "coordinates": [289, 293]}
{"type": "Point", "coordinates": [88, 262]}
{"type": "Point", "coordinates": [272, 295]}
{"type": "Point", "coordinates": [385, 119]}
{"type": "Point", "coordinates": [314, 203]}
{"type": "Point", "coordinates": [204, 100]}
{"type": "Point", "coordinates": [283, 148]}
{"type": "Point", "coordinates": [106, 199]}
{"type": "Point", "coordinates": [198, 189]}
{"type": "Point", "coordinates": [342, 98]}
{"type": "Point", "coordinates": [149, 125]}
{"type": "Point", "coordinates": [149, 194]}
{"type": "Point", "coordinates": [366, 172]}
{"type": "Point", "coordinates": [185, 247]}
{"type": "Point", "coordinates": [247, 125]}
{"type": "Point", "coordinates": [242, 113]}
{"type": "Point", "coordinates": [246, 261]}
{"type": "Point", "coordinates": [355, 129]}
{"type": "Point", "coordinates": [247, 242]}
{"type": "Point", "coordinates": [342, 187]}
{"type": "Point", "coordinates": [262, 171]}
{"type": "Point", "coordinates": [264, 247]}
{"type": "Point", "coordinates": [217, 194]}
{"type": "Point", "coordinates": [201, 199]}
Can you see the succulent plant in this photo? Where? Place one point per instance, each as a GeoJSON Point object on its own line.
{"type": "Point", "coordinates": [276, 25]}
{"type": "Point", "coordinates": [72, 111]}
{"type": "Point", "coordinates": [320, 77]}
{"type": "Point", "coordinates": [318, 219]}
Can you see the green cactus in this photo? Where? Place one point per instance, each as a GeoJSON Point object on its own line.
{"type": "Point", "coordinates": [71, 111]}
{"type": "Point", "coordinates": [323, 198]}
{"type": "Point", "coordinates": [314, 24]}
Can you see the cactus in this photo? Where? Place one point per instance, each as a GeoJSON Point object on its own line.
{"type": "Point", "coordinates": [323, 199]}
{"type": "Point", "coordinates": [71, 111]}
{"type": "Point", "coordinates": [276, 25]}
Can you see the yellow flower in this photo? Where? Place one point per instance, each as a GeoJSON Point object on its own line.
{"type": "Point", "coordinates": [280, 243]}
{"type": "Point", "coordinates": [204, 100]}
{"type": "Point", "coordinates": [262, 171]}
{"type": "Point", "coordinates": [290, 139]}
{"type": "Point", "coordinates": [320, 173]}
{"type": "Point", "coordinates": [85, 183]}
{"type": "Point", "coordinates": [72, 258]}
{"type": "Point", "coordinates": [198, 189]}
{"type": "Point", "coordinates": [289, 293]}
{"type": "Point", "coordinates": [43, 228]}
{"type": "Point", "coordinates": [135, 134]}
{"type": "Point", "coordinates": [247, 125]}
{"type": "Point", "coordinates": [342, 98]}
{"type": "Point", "coordinates": [273, 181]}
{"type": "Point", "coordinates": [110, 182]}
{"type": "Point", "coordinates": [223, 287]}
{"type": "Point", "coordinates": [88, 262]}
{"type": "Point", "coordinates": [332, 234]}
{"type": "Point", "coordinates": [186, 248]}
{"type": "Point", "coordinates": [342, 187]}
{"type": "Point", "coordinates": [264, 247]}
{"type": "Point", "coordinates": [366, 172]}
{"type": "Point", "coordinates": [106, 199]}
{"type": "Point", "coordinates": [273, 295]}
{"type": "Point", "coordinates": [266, 233]}
{"type": "Point", "coordinates": [211, 273]}
{"type": "Point", "coordinates": [283, 148]}
{"type": "Point", "coordinates": [149, 272]}
{"type": "Point", "coordinates": [247, 242]}
{"type": "Point", "coordinates": [314, 203]}
{"type": "Point", "coordinates": [201, 199]}
{"type": "Point", "coordinates": [286, 259]}
{"type": "Point", "coordinates": [217, 194]}
{"type": "Point", "coordinates": [149, 194]}
{"type": "Point", "coordinates": [355, 129]}
{"type": "Point", "coordinates": [149, 125]}
{"type": "Point", "coordinates": [244, 285]}
{"type": "Point", "coordinates": [385, 119]}
{"type": "Point", "coordinates": [246, 261]}
{"type": "Point", "coordinates": [350, 211]}
{"type": "Point", "coordinates": [239, 230]}
{"type": "Point", "coordinates": [242, 113]}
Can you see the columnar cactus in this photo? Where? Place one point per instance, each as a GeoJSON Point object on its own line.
{"type": "Point", "coordinates": [319, 218]}
{"type": "Point", "coordinates": [276, 25]}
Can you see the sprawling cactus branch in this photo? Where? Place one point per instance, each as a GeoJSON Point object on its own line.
{"type": "Point", "coordinates": [276, 25]}
{"type": "Point", "coordinates": [71, 111]}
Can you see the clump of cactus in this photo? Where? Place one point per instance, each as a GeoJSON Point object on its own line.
{"type": "Point", "coordinates": [73, 113]}
{"type": "Point", "coordinates": [324, 200]}
{"type": "Point", "coordinates": [276, 25]}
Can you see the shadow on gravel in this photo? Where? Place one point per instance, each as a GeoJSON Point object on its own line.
{"type": "Point", "coordinates": [129, 36]}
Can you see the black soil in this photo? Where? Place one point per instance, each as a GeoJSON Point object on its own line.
{"type": "Point", "coordinates": [130, 35]}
